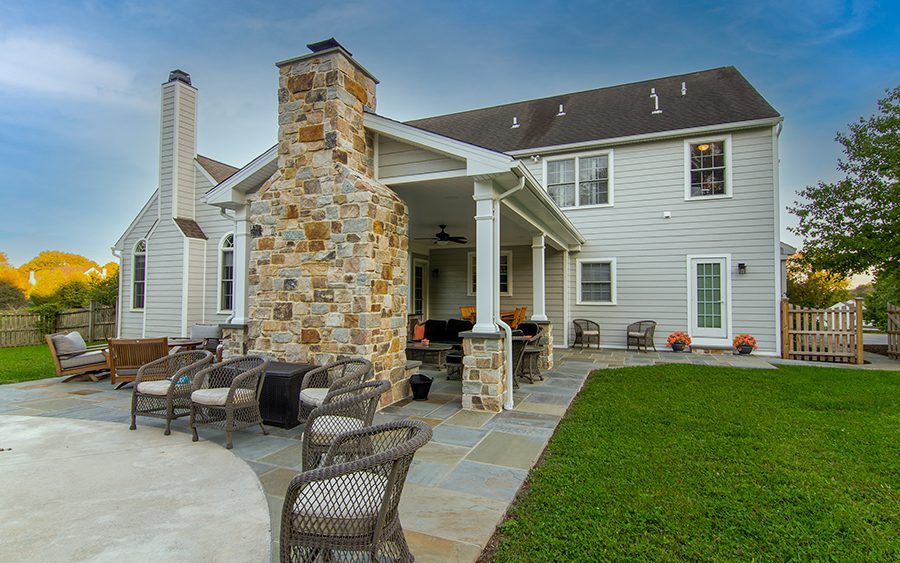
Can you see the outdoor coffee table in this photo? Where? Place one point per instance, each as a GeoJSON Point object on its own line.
{"type": "Point", "coordinates": [431, 353]}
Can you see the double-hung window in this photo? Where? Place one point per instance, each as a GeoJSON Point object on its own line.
{"type": "Point", "coordinates": [138, 274]}
{"type": "Point", "coordinates": [707, 168]}
{"type": "Point", "coordinates": [597, 281]}
{"type": "Point", "coordinates": [226, 273]}
{"type": "Point", "coordinates": [505, 273]}
{"type": "Point", "coordinates": [581, 180]}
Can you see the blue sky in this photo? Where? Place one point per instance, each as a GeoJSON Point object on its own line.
{"type": "Point", "coordinates": [79, 81]}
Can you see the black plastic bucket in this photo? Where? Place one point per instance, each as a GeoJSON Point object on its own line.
{"type": "Point", "coordinates": [420, 385]}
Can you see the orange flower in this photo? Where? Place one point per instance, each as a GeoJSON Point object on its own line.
{"type": "Point", "coordinates": [678, 336]}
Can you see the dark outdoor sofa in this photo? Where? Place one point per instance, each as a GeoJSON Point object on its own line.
{"type": "Point", "coordinates": [446, 332]}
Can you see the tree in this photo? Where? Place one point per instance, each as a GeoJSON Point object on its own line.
{"type": "Point", "coordinates": [853, 225]}
{"type": "Point", "coordinates": [11, 275]}
{"type": "Point", "coordinates": [818, 289]}
{"type": "Point", "coordinates": [886, 290]}
{"type": "Point", "coordinates": [104, 291]}
{"type": "Point", "coordinates": [56, 260]}
{"type": "Point", "coordinates": [11, 296]}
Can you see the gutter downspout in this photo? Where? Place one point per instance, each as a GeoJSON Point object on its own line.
{"type": "Point", "coordinates": [510, 368]}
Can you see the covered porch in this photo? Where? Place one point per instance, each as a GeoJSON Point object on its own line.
{"type": "Point", "coordinates": [483, 234]}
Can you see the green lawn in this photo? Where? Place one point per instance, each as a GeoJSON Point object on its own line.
{"type": "Point", "coordinates": [704, 463]}
{"type": "Point", "coordinates": [25, 363]}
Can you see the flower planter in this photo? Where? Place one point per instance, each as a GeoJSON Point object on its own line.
{"type": "Point", "coordinates": [744, 349]}
{"type": "Point", "coordinates": [678, 346]}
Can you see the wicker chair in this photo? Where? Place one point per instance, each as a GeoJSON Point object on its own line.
{"type": "Point", "coordinates": [641, 334]}
{"type": "Point", "coordinates": [162, 388]}
{"type": "Point", "coordinates": [529, 367]}
{"type": "Point", "coordinates": [349, 506]}
{"type": "Point", "coordinates": [349, 408]}
{"type": "Point", "coordinates": [226, 395]}
{"type": "Point", "coordinates": [586, 330]}
{"type": "Point", "coordinates": [318, 382]}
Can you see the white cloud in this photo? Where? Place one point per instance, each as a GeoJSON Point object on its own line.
{"type": "Point", "coordinates": [38, 63]}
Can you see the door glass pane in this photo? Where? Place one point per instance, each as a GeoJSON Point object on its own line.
{"type": "Point", "coordinates": [709, 295]}
{"type": "Point", "coordinates": [418, 290]}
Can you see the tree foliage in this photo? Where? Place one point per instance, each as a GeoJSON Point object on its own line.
{"type": "Point", "coordinates": [11, 296]}
{"type": "Point", "coordinates": [886, 290]}
{"type": "Point", "coordinates": [808, 287]}
{"type": "Point", "coordinates": [57, 260]}
{"type": "Point", "coordinates": [853, 225]}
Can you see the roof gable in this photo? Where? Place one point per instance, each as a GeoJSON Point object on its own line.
{"type": "Point", "coordinates": [218, 170]}
{"type": "Point", "coordinates": [712, 97]}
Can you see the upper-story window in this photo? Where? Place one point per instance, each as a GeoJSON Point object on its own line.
{"type": "Point", "coordinates": [138, 274]}
{"type": "Point", "coordinates": [226, 273]}
{"type": "Point", "coordinates": [707, 168]}
{"type": "Point", "coordinates": [581, 180]}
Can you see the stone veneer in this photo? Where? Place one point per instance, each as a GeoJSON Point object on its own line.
{"type": "Point", "coordinates": [328, 261]}
{"type": "Point", "coordinates": [484, 371]}
{"type": "Point", "coordinates": [546, 360]}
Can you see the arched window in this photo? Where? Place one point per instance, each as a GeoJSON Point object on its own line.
{"type": "Point", "coordinates": [138, 274]}
{"type": "Point", "coordinates": [226, 273]}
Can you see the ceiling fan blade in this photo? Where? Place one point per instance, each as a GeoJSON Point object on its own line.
{"type": "Point", "coordinates": [460, 240]}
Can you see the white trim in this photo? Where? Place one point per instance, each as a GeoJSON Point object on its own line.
{"type": "Point", "coordinates": [567, 295]}
{"type": "Point", "coordinates": [175, 146]}
{"type": "Point", "coordinates": [610, 176]}
{"type": "Point", "coordinates": [219, 252]}
{"type": "Point", "coordinates": [376, 156]}
{"type": "Point", "coordinates": [627, 139]}
{"type": "Point", "coordinates": [185, 282]}
{"type": "Point", "coordinates": [472, 256]}
{"type": "Point", "coordinates": [134, 252]}
{"type": "Point", "coordinates": [612, 275]}
{"type": "Point", "coordinates": [729, 169]}
{"type": "Point", "coordinates": [776, 160]}
{"type": "Point", "coordinates": [412, 178]}
{"type": "Point", "coordinates": [426, 265]}
{"type": "Point", "coordinates": [729, 334]}
{"type": "Point", "coordinates": [205, 173]}
{"type": "Point", "coordinates": [136, 220]}
{"type": "Point", "coordinates": [233, 181]}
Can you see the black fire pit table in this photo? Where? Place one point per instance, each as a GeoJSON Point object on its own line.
{"type": "Point", "coordinates": [280, 397]}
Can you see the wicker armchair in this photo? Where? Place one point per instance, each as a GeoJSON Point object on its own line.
{"type": "Point", "coordinates": [348, 506]}
{"type": "Point", "coordinates": [586, 330]}
{"type": "Point", "coordinates": [641, 334]}
{"type": "Point", "coordinates": [226, 395]}
{"type": "Point", "coordinates": [162, 388]}
{"type": "Point", "coordinates": [318, 382]}
{"type": "Point", "coordinates": [529, 367]}
{"type": "Point", "coordinates": [345, 409]}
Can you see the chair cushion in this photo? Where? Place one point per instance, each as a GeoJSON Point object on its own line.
{"type": "Point", "coordinates": [347, 505]}
{"type": "Point", "coordinates": [160, 387]}
{"type": "Point", "coordinates": [324, 429]}
{"type": "Point", "coordinates": [94, 357]}
{"type": "Point", "coordinates": [313, 395]}
{"type": "Point", "coordinates": [591, 332]}
{"type": "Point", "coordinates": [435, 329]}
{"type": "Point", "coordinates": [71, 343]}
{"type": "Point", "coordinates": [216, 396]}
{"type": "Point", "coordinates": [636, 334]}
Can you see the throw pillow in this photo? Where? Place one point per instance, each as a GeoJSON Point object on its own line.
{"type": "Point", "coordinates": [418, 332]}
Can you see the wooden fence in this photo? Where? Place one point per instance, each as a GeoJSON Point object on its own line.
{"type": "Point", "coordinates": [23, 328]}
{"type": "Point", "coordinates": [893, 331]}
{"type": "Point", "coordinates": [824, 335]}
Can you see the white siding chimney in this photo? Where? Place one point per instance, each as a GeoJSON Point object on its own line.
{"type": "Point", "coordinates": [177, 146]}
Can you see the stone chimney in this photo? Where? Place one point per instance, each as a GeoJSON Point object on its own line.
{"type": "Point", "coordinates": [177, 145]}
{"type": "Point", "coordinates": [328, 272]}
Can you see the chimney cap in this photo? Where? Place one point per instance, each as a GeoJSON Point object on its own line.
{"type": "Point", "coordinates": [326, 44]}
{"type": "Point", "coordinates": [180, 76]}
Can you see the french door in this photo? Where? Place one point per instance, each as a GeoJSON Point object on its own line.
{"type": "Point", "coordinates": [419, 286]}
{"type": "Point", "coordinates": [709, 297]}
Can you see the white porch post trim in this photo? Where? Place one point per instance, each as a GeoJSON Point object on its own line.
{"type": "Point", "coordinates": [241, 263]}
{"type": "Point", "coordinates": [484, 257]}
{"type": "Point", "coordinates": [539, 301]}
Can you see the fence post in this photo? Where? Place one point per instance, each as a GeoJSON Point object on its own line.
{"type": "Point", "coordinates": [785, 330]}
{"type": "Point", "coordinates": [91, 321]}
{"type": "Point", "coordinates": [860, 359]}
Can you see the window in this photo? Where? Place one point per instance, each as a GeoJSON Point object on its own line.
{"type": "Point", "coordinates": [581, 181]}
{"type": "Point", "coordinates": [419, 289]}
{"type": "Point", "coordinates": [707, 168]}
{"type": "Point", "coordinates": [505, 273]}
{"type": "Point", "coordinates": [597, 281]}
{"type": "Point", "coordinates": [226, 273]}
{"type": "Point", "coordinates": [139, 274]}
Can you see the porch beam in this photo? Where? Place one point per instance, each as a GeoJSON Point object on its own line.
{"type": "Point", "coordinates": [538, 303]}
{"type": "Point", "coordinates": [484, 256]}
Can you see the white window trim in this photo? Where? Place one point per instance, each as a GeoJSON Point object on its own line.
{"type": "Point", "coordinates": [219, 251]}
{"type": "Point", "coordinates": [133, 263]}
{"type": "Point", "coordinates": [612, 275]}
{"type": "Point", "coordinates": [412, 280]}
{"type": "Point", "coordinates": [729, 169]}
{"type": "Point", "coordinates": [509, 266]}
{"type": "Point", "coordinates": [610, 182]}
{"type": "Point", "coordinates": [691, 288]}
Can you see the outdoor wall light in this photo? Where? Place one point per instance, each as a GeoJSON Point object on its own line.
{"type": "Point", "coordinates": [742, 268]}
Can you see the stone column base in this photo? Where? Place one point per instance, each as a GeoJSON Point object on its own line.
{"type": "Point", "coordinates": [484, 371]}
{"type": "Point", "coordinates": [546, 360]}
{"type": "Point", "coordinates": [235, 340]}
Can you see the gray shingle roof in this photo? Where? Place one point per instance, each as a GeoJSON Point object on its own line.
{"type": "Point", "coordinates": [190, 228]}
{"type": "Point", "coordinates": [713, 97]}
{"type": "Point", "coordinates": [218, 170]}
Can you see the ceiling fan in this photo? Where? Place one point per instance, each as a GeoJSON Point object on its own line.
{"type": "Point", "coordinates": [444, 237]}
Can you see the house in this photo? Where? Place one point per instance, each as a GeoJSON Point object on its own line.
{"type": "Point", "coordinates": [650, 200]}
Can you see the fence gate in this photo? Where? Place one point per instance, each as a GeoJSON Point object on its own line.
{"type": "Point", "coordinates": [893, 331]}
{"type": "Point", "coordinates": [822, 335]}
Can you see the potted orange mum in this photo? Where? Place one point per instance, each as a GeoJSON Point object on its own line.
{"type": "Point", "coordinates": [744, 344]}
{"type": "Point", "coordinates": [678, 340]}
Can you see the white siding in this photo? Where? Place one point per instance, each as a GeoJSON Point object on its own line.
{"type": "Point", "coordinates": [650, 251]}
{"type": "Point", "coordinates": [165, 257]}
{"type": "Point", "coordinates": [132, 322]}
{"type": "Point", "coordinates": [215, 227]}
{"type": "Point", "coordinates": [195, 282]}
{"type": "Point", "coordinates": [397, 159]}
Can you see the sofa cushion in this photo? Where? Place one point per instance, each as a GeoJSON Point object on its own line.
{"type": "Point", "coordinates": [71, 343]}
{"type": "Point", "coordinates": [92, 358]}
{"type": "Point", "coordinates": [206, 331]}
{"type": "Point", "coordinates": [455, 326]}
{"type": "Point", "coordinates": [418, 332]}
{"type": "Point", "coordinates": [435, 329]}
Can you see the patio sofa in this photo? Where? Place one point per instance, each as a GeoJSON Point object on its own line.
{"type": "Point", "coordinates": [447, 332]}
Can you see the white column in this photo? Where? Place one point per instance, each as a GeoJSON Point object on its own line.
{"type": "Point", "coordinates": [241, 264]}
{"type": "Point", "coordinates": [484, 257]}
{"type": "Point", "coordinates": [539, 300]}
